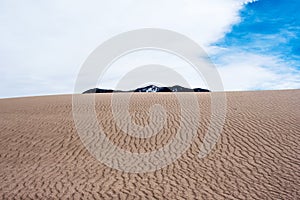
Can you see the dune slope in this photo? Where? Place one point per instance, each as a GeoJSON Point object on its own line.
{"type": "Point", "coordinates": [256, 156]}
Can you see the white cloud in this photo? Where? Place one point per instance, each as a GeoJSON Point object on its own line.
{"type": "Point", "coordinates": [44, 43]}
{"type": "Point", "coordinates": [154, 57]}
{"type": "Point", "coordinates": [248, 1]}
{"type": "Point", "coordinates": [249, 71]}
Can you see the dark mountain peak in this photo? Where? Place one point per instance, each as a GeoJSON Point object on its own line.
{"type": "Point", "coordinates": [97, 90]}
{"type": "Point", "coordinates": [150, 88]}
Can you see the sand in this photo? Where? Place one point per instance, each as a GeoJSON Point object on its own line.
{"type": "Point", "coordinates": [256, 156]}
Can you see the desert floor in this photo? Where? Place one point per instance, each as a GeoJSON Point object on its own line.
{"type": "Point", "coordinates": [257, 155]}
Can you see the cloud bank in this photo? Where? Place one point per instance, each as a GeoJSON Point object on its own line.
{"type": "Point", "coordinates": [44, 43]}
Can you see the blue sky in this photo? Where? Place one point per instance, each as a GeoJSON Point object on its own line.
{"type": "Point", "coordinates": [254, 44]}
{"type": "Point", "coordinates": [267, 37]}
{"type": "Point", "coordinates": [270, 27]}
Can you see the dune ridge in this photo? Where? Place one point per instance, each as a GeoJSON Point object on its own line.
{"type": "Point", "coordinates": [256, 156]}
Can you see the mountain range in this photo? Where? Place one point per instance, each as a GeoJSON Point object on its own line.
{"type": "Point", "coordinates": [150, 88]}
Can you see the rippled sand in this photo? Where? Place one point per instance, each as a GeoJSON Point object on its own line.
{"type": "Point", "coordinates": [256, 156]}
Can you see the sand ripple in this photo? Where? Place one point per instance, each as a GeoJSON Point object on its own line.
{"type": "Point", "coordinates": [256, 157]}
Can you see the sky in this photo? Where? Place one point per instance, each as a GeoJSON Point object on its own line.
{"type": "Point", "coordinates": [43, 44]}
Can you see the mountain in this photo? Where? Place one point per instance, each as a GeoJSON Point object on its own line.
{"type": "Point", "coordinates": [150, 88]}
{"type": "Point", "coordinates": [97, 90]}
{"type": "Point", "coordinates": [176, 88]}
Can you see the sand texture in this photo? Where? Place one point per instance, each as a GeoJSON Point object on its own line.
{"type": "Point", "coordinates": [257, 155]}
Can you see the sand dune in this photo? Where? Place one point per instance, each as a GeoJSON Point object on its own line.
{"type": "Point", "coordinates": [256, 156]}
